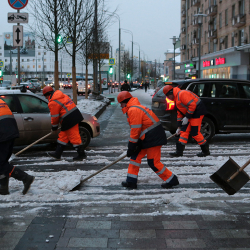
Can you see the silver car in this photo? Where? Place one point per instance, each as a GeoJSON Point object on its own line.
{"type": "Point", "coordinates": [34, 121]}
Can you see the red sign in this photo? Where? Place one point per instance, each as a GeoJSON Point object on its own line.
{"type": "Point", "coordinates": [220, 60]}
{"type": "Point", "coordinates": [18, 4]}
{"type": "Point", "coordinates": [206, 64]}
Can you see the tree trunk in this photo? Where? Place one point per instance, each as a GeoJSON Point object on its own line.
{"type": "Point", "coordinates": [74, 85]}
{"type": "Point", "coordinates": [56, 76]}
{"type": "Point", "coordinates": [86, 82]}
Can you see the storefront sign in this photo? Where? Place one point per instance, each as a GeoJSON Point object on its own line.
{"type": "Point", "coordinates": [177, 67]}
{"type": "Point", "coordinates": [216, 61]}
{"type": "Point", "coordinates": [189, 65]}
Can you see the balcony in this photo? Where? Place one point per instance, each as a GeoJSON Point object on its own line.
{"type": "Point", "coordinates": [196, 2]}
{"type": "Point", "coordinates": [212, 34]}
{"type": "Point", "coordinates": [183, 47]}
{"type": "Point", "coordinates": [212, 10]}
{"type": "Point", "coordinates": [183, 13]}
{"type": "Point", "coordinates": [195, 21]}
{"type": "Point", "coordinates": [183, 30]}
{"type": "Point", "coordinates": [239, 20]}
{"type": "Point", "coordinates": [195, 41]}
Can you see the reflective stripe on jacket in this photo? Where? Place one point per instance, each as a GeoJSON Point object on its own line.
{"type": "Point", "coordinates": [63, 110]}
{"type": "Point", "coordinates": [188, 104]}
{"type": "Point", "coordinates": [8, 125]}
{"type": "Point", "coordinates": [144, 125]}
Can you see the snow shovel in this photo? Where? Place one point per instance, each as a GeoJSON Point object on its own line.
{"type": "Point", "coordinates": [14, 155]}
{"type": "Point", "coordinates": [122, 156]}
{"type": "Point", "coordinates": [231, 177]}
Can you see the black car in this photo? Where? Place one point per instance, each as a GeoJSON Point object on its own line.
{"type": "Point", "coordinates": [227, 102]}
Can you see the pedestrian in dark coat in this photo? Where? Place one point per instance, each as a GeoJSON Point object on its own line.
{"type": "Point", "coordinates": [8, 133]}
{"type": "Point", "coordinates": [125, 86]}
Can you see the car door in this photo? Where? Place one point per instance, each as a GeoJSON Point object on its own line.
{"type": "Point", "coordinates": [228, 105]}
{"type": "Point", "coordinates": [12, 103]}
{"type": "Point", "coordinates": [244, 89]}
{"type": "Point", "coordinates": [36, 117]}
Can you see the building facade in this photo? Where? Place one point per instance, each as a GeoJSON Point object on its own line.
{"type": "Point", "coordinates": [222, 38]}
{"type": "Point", "coordinates": [36, 61]}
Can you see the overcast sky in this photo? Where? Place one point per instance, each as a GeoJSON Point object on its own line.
{"type": "Point", "coordinates": [152, 22]}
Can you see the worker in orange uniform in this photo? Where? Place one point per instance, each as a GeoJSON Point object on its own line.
{"type": "Point", "coordinates": [146, 138]}
{"type": "Point", "coordinates": [190, 112]}
{"type": "Point", "coordinates": [64, 111]}
{"type": "Point", "coordinates": [8, 133]}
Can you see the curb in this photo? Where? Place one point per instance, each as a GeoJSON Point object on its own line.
{"type": "Point", "coordinates": [99, 112]}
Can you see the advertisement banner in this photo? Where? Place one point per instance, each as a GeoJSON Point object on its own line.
{"type": "Point", "coordinates": [27, 50]}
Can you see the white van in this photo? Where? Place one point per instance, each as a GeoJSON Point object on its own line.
{"type": "Point", "coordinates": [81, 88]}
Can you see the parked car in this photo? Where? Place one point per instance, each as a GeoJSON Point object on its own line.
{"type": "Point", "coordinates": [67, 85]}
{"type": "Point", "coordinates": [38, 86]}
{"type": "Point", "coordinates": [5, 84]}
{"type": "Point", "coordinates": [81, 89]}
{"type": "Point", "coordinates": [29, 85]}
{"type": "Point", "coordinates": [34, 121]}
{"type": "Point", "coordinates": [227, 102]}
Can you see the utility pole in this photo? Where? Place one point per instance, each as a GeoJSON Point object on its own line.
{"type": "Point", "coordinates": [96, 43]}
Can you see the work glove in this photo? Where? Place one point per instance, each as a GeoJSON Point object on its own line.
{"type": "Point", "coordinates": [54, 128]}
{"type": "Point", "coordinates": [178, 131]}
{"type": "Point", "coordinates": [184, 121]}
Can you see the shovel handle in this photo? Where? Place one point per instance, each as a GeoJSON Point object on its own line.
{"type": "Point", "coordinates": [171, 136]}
{"type": "Point", "coordinates": [122, 157]}
{"type": "Point", "coordinates": [33, 144]}
{"type": "Point", "coordinates": [240, 170]}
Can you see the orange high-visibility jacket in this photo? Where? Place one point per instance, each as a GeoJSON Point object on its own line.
{"type": "Point", "coordinates": [63, 110]}
{"type": "Point", "coordinates": [8, 125]}
{"type": "Point", "coordinates": [144, 125]}
{"type": "Point", "coordinates": [188, 104]}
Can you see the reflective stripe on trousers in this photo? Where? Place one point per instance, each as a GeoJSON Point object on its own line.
{"type": "Point", "coordinates": [193, 128]}
{"type": "Point", "coordinates": [153, 158]}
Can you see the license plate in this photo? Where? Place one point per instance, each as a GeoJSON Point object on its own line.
{"type": "Point", "coordinates": [156, 104]}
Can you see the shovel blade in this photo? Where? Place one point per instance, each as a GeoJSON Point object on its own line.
{"type": "Point", "coordinates": [225, 172]}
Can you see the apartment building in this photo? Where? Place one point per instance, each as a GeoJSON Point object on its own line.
{"type": "Point", "coordinates": [224, 40]}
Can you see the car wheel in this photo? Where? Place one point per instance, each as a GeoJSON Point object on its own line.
{"type": "Point", "coordinates": [85, 136]}
{"type": "Point", "coordinates": [207, 128]}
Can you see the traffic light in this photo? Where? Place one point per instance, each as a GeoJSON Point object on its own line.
{"type": "Point", "coordinates": [1, 73]}
{"type": "Point", "coordinates": [110, 70]}
{"type": "Point", "coordinates": [128, 76]}
{"type": "Point", "coordinates": [59, 38]}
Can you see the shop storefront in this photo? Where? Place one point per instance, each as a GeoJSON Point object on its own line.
{"type": "Point", "coordinates": [190, 70]}
{"type": "Point", "coordinates": [230, 63]}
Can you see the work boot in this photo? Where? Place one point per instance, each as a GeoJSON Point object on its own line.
{"type": "Point", "coordinates": [129, 185]}
{"type": "Point", "coordinates": [205, 150]}
{"type": "Point", "coordinates": [179, 150]}
{"type": "Point", "coordinates": [81, 154]}
{"type": "Point", "coordinates": [24, 177]}
{"type": "Point", "coordinates": [4, 186]}
{"type": "Point", "coordinates": [169, 184]}
{"type": "Point", "coordinates": [58, 153]}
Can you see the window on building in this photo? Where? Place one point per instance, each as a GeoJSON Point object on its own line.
{"type": "Point", "coordinates": [220, 20]}
{"type": "Point", "coordinates": [28, 60]}
{"type": "Point", "coordinates": [44, 66]}
{"type": "Point", "coordinates": [242, 7]}
{"type": "Point", "coordinates": [233, 11]}
{"type": "Point", "coordinates": [39, 47]}
{"type": "Point", "coordinates": [44, 53]}
{"type": "Point", "coordinates": [33, 66]}
{"type": "Point", "coordinates": [22, 60]}
{"type": "Point", "coordinates": [6, 60]}
{"type": "Point", "coordinates": [39, 66]}
{"type": "Point", "coordinates": [39, 53]}
{"type": "Point", "coordinates": [0, 47]}
{"type": "Point", "coordinates": [226, 17]}
{"type": "Point", "coordinates": [232, 39]}
{"type": "Point", "coordinates": [226, 42]}
{"type": "Point", "coordinates": [28, 66]}
{"type": "Point", "coordinates": [0, 54]}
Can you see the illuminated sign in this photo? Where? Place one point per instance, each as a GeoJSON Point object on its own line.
{"type": "Point", "coordinates": [178, 67]}
{"type": "Point", "coordinates": [189, 65]}
{"type": "Point", "coordinates": [216, 61]}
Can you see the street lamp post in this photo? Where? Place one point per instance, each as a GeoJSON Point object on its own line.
{"type": "Point", "coordinates": [139, 61]}
{"type": "Point", "coordinates": [200, 19]}
{"type": "Point", "coordinates": [130, 32]}
{"type": "Point", "coordinates": [174, 43]}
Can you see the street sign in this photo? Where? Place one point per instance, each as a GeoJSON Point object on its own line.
{"type": "Point", "coordinates": [1, 63]}
{"type": "Point", "coordinates": [17, 4]}
{"type": "Point", "coordinates": [68, 75]}
{"type": "Point", "coordinates": [111, 61]}
{"type": "Point", "coordinates": [17, 35]}
{"type": "Point", "coordinates": [18, 17]}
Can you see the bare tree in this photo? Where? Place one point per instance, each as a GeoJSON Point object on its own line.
{"type": "Point", "coordinates": [48, 25]}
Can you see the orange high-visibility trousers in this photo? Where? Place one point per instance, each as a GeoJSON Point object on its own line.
{"type": "Point", "coordinates": [153, 158]}
{"type": "Point", "coordinates": [71, 135]}
{"type": "Point", "coordinates": [193, 128]}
